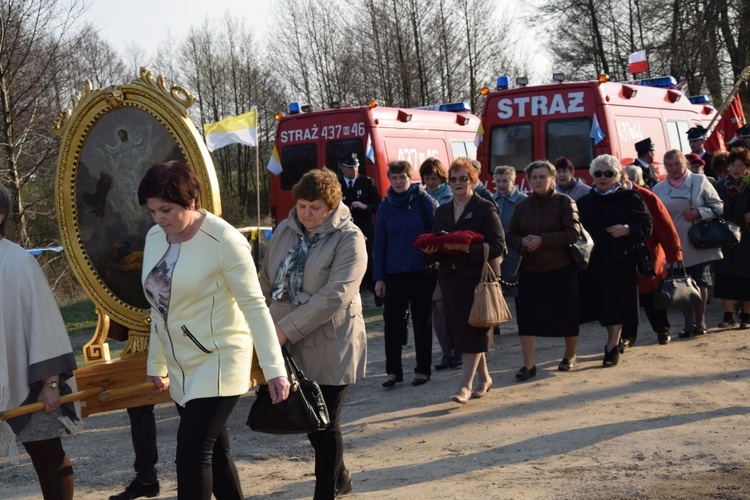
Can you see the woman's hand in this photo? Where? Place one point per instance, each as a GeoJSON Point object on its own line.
{"type": "Point", "coordinates": [162, 383]}
{"type": "Point", "coordinates": [532, 242]}
{"type": "Point", "coordinates": [747, 217]}
{"type": "Point", "coordinates": [49, 396]}
{"type": "Point", "coordinates": [279, 389]}
{"type": "Point", "coordinates": [430, 250]}
{"type": "Point", "coordinates": [692, 215]}
{"type": "Point", "coordinates": [283, 339]}
{"type": "Point", "coordinates": [380, 288]}
{"type": "Point", "coordinates": [618, 231]}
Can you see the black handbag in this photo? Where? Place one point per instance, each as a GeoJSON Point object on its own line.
{"type": "Point", "coordinates": [644, 264]}
{"type": "Point", "coordinates": [714, 233]}
{"type": "Point", "coordinates": [303, 412]}
{"type": "Point", "coordinates": [678, 290]}
{"type": "Point", "coordinates": [581, 250]}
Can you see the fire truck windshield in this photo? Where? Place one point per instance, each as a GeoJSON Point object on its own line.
{"type": "Point", "coordinates": [572, 139]}
{"type": "Point", "coordinates": [296, 160]}
{"type": "Point", "coordinates": [512, 145]}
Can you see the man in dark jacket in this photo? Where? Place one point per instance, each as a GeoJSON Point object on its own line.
{"type": "Point", "coordinates": [696, 139]}
{"type": "Point", "coordinates": [363, 199]}
{"type": "Point", "coordinates": [646, 153]}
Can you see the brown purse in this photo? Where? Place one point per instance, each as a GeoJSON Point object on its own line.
{"type": "Point", "coordinates": [489, 308]}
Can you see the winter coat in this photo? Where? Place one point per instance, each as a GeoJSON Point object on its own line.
{"type": "Point", "coordinates": [216, 317]}
{"type": "Point", "coordinates": [695, 192]}
{"type": "Point", "coordinates": [326, 330]}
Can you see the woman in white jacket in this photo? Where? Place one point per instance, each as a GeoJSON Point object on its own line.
{"type": "Point", "coordinates": [199, 276]}
{"type": "Point", "coordinates": [690, 197]}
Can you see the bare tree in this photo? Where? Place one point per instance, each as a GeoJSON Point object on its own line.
{"type": "Point", "coordinates": [37, 40]}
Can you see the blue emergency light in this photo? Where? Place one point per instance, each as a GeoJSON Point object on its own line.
{"type": "Point", "coordinates": [663, 82]}
{"type": "Point", "coordinates": [294, 108]}
{"type": "Point", "coordinates": [503, 82]}
{"type": "Point", "coordinates": [456, 107]}
{"type": "Point", "coordinates": [699, 99]}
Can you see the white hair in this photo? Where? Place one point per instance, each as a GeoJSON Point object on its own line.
{"type": "Point", "coordinates": [608, 161]}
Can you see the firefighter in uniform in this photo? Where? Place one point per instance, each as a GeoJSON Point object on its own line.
{"type": "Point", "coordinates": [646, 153]}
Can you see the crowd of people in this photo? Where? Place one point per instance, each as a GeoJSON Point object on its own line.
{"type": "Point", "coordinates": [213, 312]}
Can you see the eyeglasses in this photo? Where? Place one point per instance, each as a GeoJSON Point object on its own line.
{"type": "Point", "coordinates": [604, 173]}
{"type": "Point", "coordinates": [461, 179]}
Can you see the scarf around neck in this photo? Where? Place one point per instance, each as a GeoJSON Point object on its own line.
{"type": "Point", "coordinates": [287, 283]}
{"type": "Point", "coordinates": [438, 192]}
{"type": "Point", "coordinates": [403, 199]}
{"type": "Point", "coordinates": [609, 191]}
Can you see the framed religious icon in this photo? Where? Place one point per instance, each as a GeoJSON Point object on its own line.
{"type": "Point", "coordinates": [109, 139]}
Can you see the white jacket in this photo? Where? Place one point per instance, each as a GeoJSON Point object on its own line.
{"type": "Point", "coordinates": [206, 344]}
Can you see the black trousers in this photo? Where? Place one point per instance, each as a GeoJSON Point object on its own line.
{"type": "Point", "coordinates": [204, 464]}
{"type": "Point", "coordinates": [143, 434]}
{"type": "Point", "coordinates": [657, 317]}
{"type": "Point", "coordinates": [329, 444]}
{"type": "Point", "coordinates": [403, 290]}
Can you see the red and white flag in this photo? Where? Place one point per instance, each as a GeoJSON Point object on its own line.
{"type": "Point", "coordinates": [638, 62]}
{"type": "Point", "coordinates": [732, 119]}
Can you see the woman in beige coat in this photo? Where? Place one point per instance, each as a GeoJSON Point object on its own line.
{"type": "Point", "coordinates": [311, 274]}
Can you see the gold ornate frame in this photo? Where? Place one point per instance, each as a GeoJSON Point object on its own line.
{"type": "Point", "coordinates": [95, 141]}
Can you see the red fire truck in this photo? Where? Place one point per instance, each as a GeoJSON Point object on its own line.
{"type": "Point", "coordinates": [378, 135]}
{"type": "Point", "coordinates": [581, 120]}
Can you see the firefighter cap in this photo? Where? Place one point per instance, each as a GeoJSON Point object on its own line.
{"type": "Point", "coordinates": [697, 133]}
{"type": "Point", "coordinates": [644, 146]}
{"type": "Point", "coordinates": [349, 161]}
{"type": "Point", "coordinates": [744, 132]}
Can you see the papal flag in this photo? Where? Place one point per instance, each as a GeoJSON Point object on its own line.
{"type": "Point", "coordinates": [242, 129]}
{"type": "Point", "coordinates": [274, 164]}
{"type": "Point", "coordinates": [480, 135]}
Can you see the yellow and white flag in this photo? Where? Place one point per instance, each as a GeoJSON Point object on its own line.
{"type": "Point", "coordinates": [242, 129]}
{"type": "Point", "coordinates": [480, 135]}
{"type": "Point", "coordinates": [274, 163]}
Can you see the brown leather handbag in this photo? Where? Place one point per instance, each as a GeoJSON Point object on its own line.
{"type": "Point", "coordinates": [489, 308]}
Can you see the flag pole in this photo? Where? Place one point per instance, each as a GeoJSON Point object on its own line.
{"type": "Point", "coordinates": [257, 182]}
{"type": "Point", "coordinates": [744, 76]}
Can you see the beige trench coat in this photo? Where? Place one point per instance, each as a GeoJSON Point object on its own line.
{"type": "Point", "coordinates": [326, 330]}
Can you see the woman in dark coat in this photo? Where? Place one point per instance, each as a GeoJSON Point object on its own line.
{"type": "Point", "coordinates": [733, 271]}
{"type": "Point", "coordinates": [542, 228]}
{"type": "Point", "coordinates": [459, 273]}
{"type": "Point", "coordinates": [617, 219]}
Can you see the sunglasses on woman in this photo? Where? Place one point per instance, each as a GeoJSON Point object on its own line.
{"type": "Point", "coordinates": [461, 179]}
{"type": "Point", "coordinates": [606, 173]}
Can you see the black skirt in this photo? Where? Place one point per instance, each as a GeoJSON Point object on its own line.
{"type": "Point", "coordinates": [547, 304]}
{"type": "Point", "coordinates": [732, 287]}
{"type": "Point", "coordinates": [458, 296]}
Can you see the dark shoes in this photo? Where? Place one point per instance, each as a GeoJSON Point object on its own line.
{"type": "Point", "coordinates": [344, 484]}
{"type": "Point", "coordinates": [744, 321]}
{"type": "Point", "coordinates": [625, 343]}
{"type": "Point", "coordinates": [729, 320]}
{"type": "Point", "coordinates": [446, 362]}
{"type": "Point", "coordinates": [611, 358]}
{"type": "Point", "coordinates": [450, 361]}
{"type": "Point", "coordinates": [136, 489]}
{"type": "Point", "coordinates": [526, 373]}
{"type": "Point", "coordinates": [392, 381]}
{"type": "Point", "coordinates": [687, 332]}
{"type": "Point", "coordinates": [567, 364]}
{"type": "Point", "coordinates": [420, 379]}
{"type": "Point", "coordinates": [663, 338]}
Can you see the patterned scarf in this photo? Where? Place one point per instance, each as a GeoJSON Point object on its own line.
{"type": "Point", "coordinates": [287, 284]}
{"type": "Point", "coordinates": [735, 188]}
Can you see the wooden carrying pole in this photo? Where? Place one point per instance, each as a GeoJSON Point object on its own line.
{"type": "Point", "coordinates": [127, 391]}
{"type": "Point", "coordinates": [39, 405]}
